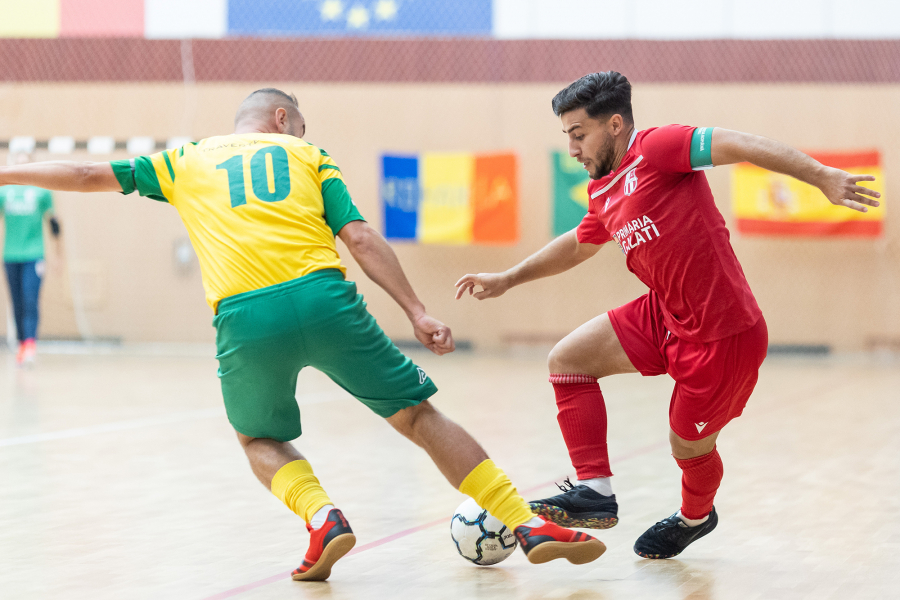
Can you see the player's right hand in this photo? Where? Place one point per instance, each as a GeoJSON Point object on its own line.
{"type": "Point", "coordinates": [492, 285]}
{"type": "Point", "coordinates": [434, 335]}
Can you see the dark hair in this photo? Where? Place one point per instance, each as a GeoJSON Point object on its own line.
{"type": "Point", "coordinates": [276, 92]}
{"type": "Point", "coordinates": [600, 94]}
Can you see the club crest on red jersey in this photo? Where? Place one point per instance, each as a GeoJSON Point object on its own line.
{"type": "Point", "coordinates": [631, 182]}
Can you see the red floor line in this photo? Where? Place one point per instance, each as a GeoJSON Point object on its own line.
{"type": "Point", "coordinates": [401, 534]}
{"type": "Point", "coordinates": [396, 536]}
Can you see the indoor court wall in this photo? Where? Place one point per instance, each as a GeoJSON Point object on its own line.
{"type": "Point", "coordinates": [121, 251]}
{"type": "Point", "coordinates": [123, 478]}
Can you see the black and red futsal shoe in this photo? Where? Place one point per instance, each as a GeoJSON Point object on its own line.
{"type": "Point", "coordinates": [578, 506]}
{"type": "Point", "coordinates": [327, 544]}
{"type": "Point", "coordinates": [550, 541]}
{"type": "Point", "coordinates": [671, 536]}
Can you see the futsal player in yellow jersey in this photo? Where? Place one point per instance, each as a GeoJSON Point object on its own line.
{"type": "Point", "coordinates": [262, 208]}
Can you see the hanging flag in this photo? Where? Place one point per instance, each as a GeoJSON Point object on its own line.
{"type": "Point", "coordinates": [446, 214]}
{"type": "Point", "coordinates": [337, 18]}
{"type": "Point", "coordinates": [400, 196]}
{"type": "Point", "coordinates": [767, 203]}
{"type": "Point", "coordinates": [460, 198]}
{"type": "Point", "coordinates": [495, 200]}
{"type": "Point", "coordinates": [570, 195]}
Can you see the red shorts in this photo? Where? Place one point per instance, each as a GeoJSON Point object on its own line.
{"type": "Point", "coordinates": [713, 381]}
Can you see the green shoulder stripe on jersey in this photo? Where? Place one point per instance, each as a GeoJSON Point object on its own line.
{"type": "Point", "coordinates": [323, 153]}
{"type": "Point", "coordinates": [169, 165]}
{"type": "Point", "coordinates": [323, 167]}
{"type": "Point", "coordinates": [124, 172]}
{"type": "Point", "coordinates": [145, 180]}
{"type": "Point", "coordinates": [701, 148]}
{"type": "Point", "coordinates": [339, 207]}
{"type": "Point", "coordinates": [181, 151]}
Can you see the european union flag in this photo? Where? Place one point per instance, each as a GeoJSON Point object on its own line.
{"type": "Point", "coordinates": [359, 17]}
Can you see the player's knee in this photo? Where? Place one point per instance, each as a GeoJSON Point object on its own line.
{"type": "Point", "coordinates": [562, 359]}
{"type": "Point", "coordinates": [556, 360]}
{"type": "Point", "coordinates": [407, 421]}
{"type": "Point", "coordinates": [244, 440]}
{"type": "Point", "coordinates": [686, 449]}
{"type": "Point", "coordinates": [680, 448]}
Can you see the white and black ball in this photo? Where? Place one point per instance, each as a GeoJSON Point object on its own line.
{"type": "Point", "coordinates": [479, 537]}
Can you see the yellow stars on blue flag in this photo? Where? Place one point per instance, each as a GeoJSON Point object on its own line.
{"type": "Point", "coordinates": [358, 15]}
{"type": "Point", "coordinates": [331, 10]}
{"type": "Point", "coordinates": [386, 9]}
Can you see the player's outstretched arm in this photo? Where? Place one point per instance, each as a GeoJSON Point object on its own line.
{"type": "Point", "coordinates": [841, 188]}
{"type": "Point", "coordinates": [63, 176]}
{"type": "Point", "coordinates": [558, 256]}
{"type": "Point", "coordinates": [380, 264]}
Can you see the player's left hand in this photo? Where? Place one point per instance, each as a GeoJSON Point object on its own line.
{"type": "Point", "coordinates": [842, 189]}
{"type": "Point", "coordinates": [434, 335]}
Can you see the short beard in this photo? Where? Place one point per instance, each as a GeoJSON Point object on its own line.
{"type": "Point", "coordinates": [605, 158]}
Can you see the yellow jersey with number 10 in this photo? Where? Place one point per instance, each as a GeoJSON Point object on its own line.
{"type": "Point", "coordinates": [260, 209]}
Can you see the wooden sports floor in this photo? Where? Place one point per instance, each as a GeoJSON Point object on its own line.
{"type": "Point", "coordinates": [122, 479]}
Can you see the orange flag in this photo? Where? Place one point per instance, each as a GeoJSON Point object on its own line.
{"type": "Point", "coordinates": [495, 200]}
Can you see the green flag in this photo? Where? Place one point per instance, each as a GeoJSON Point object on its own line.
{"type": "Point", "coordinates": [570, 196]}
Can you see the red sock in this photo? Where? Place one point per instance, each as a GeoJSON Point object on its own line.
{"type": "Point", "coordinates": [700, 479]}
{"type": "Point", "coordinates": [582, 419]}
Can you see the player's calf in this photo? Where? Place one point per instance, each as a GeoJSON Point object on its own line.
{"type": "Point", "coordinates": [467, 467]}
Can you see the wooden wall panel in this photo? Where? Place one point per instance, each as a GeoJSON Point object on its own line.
{"type": "Point", "coordinates": [840, 292]}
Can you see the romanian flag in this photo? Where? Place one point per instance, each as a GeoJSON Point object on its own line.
{"type": "Point", "coordinates": [457, 198]}
{"type": "Point", "coordinates": [767, 203]}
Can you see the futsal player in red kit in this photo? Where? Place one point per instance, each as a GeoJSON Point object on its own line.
{"type": "Point", "coordinates": [699, 322]}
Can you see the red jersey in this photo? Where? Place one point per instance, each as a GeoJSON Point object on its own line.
{"type": "Point", "coordinates": [662, 214]}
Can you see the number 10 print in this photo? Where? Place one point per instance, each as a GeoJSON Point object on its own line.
{"type": "Point", "coordinates": [259, 176]}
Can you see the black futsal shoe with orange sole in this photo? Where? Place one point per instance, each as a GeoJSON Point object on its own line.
{"type": "Point", "coordinates": [578, 506]}
{"type": "Point", "coordinates": [327, 544]}
{"type": "Point", "coordinates": [550, 541]}
{"type": "Point", "coordinates": [671, 536]}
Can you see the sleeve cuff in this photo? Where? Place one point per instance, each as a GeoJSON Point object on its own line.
{"type": "Point", "coordinates": [124, 172]}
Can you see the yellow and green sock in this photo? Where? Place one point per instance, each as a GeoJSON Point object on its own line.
{"type": "Point", "coordinates": [489, 486]}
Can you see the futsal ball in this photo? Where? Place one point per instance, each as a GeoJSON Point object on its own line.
{"type": "Point", "coordinates": [479, 537]}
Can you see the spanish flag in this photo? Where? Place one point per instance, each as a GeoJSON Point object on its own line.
{"type": "Point", "coordinates": [767, 203]}
{"type": "Point", "coordinates": [451, 198]}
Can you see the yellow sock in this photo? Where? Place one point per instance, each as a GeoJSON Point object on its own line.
{"type": "Point", "coordinates": [296, 486]}
{"type": "Point", "coordinates": [489, 486]}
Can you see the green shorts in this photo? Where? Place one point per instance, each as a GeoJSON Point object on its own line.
{"type": "Point", "coordinates": [266, 336]}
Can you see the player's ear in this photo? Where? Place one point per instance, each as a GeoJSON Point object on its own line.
{"type": "Point", "coordinates": [281, 122]}
{"type": "Point", "coordinates": [616, 124]}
